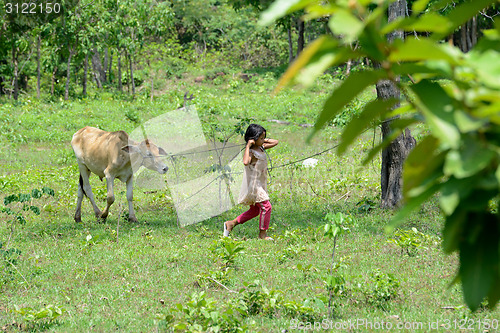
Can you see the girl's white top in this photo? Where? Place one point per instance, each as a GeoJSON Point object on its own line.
{"type": "Point", "coordinates": [254, 186]}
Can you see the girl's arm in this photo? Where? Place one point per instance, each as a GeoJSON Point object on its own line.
{"type": "Point", "coordinates": [246, 156]}
{"type": "Point", "coordinates": [269, 143]}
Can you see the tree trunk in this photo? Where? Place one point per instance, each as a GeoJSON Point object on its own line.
{"type": "Point", "coordinates": [131, 62]}
{"type": "Point", "coordinates": [301, 38]}
{"type": "Point", "coordinates": [110, 67]}
{"type": "Point", "coordinates": [127, 59]}
{"type": "Point", "coordinates": [85, 73]}
{"type": "Point", "coordinates": [53, 80]}
{"type": "Point", "coordinates": [463, 38]}
{"type": "Point", "coordinates": [290, 46]}
{"type": "Point", "coordinates": [394, 155]}
{"type": "Point", "coordinates": [68, 73]}
{"type": "Point", "coordinates": [466, 37]}
{"type": "Point", "coordinates": [474, 31]}
{"type": "Point", "coordinates": [98, 69]}
{"type": "Point", "coordinates": [348, 67]}
{"type": "Point", "coordinates": [105, 65]}
{"type": "Point", "coordinates": [38, 42]}
{"type": "Point", "coordinates": [119, 72]}
{"type": "Point", "coordinates": [152, 81]}
{"type": "Point", "coordinates": [15, 81]}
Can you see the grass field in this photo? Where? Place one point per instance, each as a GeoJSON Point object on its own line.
{"type": "Point", "coordinates": [58, 275]}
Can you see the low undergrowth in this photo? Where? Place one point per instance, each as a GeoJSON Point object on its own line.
{"type": "Point", "coordinates": [58, 275]}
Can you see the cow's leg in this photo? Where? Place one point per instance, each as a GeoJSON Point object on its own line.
{"type": "Point", "coordinates": [110, 195]}
{"type": "Point", "coordinates": [87, 189]}
{"type": "Point", "coordinates": [78, 213]}
{"type": "Point", "coordinates": [130, 198]}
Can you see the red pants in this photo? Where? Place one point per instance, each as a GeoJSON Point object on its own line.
{"type": "Point", "coordinates": [260, 208]}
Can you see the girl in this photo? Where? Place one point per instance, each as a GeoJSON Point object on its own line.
{"type": "Point", "coordinates": [254, 187]}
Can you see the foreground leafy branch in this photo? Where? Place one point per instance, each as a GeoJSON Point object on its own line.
{"type": "Point", "coordinates": [456, 95]}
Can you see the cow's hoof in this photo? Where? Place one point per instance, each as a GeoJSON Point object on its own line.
{"type": "Point", "coordinates": [133, 220]}
{"type": "Point", "coordinates": [78, 219]}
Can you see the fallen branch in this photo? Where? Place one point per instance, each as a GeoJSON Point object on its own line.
{"type": "Point", "coordinates": [223, 286]}
{"type": "Point", "coordinates": [347, 194]}
{"type": "Point", "coordinates": [19, 273]}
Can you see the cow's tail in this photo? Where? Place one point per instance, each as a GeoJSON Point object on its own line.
{"type": "Point", "coordinates": [81, 185]}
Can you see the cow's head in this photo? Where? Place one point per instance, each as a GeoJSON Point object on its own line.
{"type": "Point", "coordinates": [147, 154]}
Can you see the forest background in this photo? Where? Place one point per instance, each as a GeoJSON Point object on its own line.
{"type": "Point", "coordinates": [129, 45]}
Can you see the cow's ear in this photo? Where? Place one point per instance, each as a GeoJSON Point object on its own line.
{"type": "Point", "coordinates": [130, 149]}
{"type": "Point", "coordinates": [162, 151]}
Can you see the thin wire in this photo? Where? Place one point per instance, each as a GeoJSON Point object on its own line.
{"type": "Point", "coordinates": [240, 172]}
{"type": "Point", "coordinates": [204, 151]}
{"type": "Point", "coordinates": [271, 168]}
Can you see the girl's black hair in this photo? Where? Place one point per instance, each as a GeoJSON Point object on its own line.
{"type": "Point", "coordinates": [253, 132]}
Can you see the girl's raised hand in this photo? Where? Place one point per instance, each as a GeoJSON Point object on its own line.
{"type": "Point", "coordinates": [251, 142]}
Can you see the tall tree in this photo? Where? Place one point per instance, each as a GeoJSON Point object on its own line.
{"type": "Point", "coordinates": [16, 28]}
{"type": "Point", "coordinates": [394, 155]}
{"type": "Point", "coordinates": [288, 23]}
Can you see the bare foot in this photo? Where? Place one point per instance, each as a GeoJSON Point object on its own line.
{"type": "Point", "coordinates": [228, 226]}
{"type": "Point", "coordinates": [263, 235]}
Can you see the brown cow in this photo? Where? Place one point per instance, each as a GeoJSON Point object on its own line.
{"type": "Point", "coordinates": [111, 155]}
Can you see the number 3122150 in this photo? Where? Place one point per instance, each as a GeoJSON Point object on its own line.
{"type": "Point", "coordinates": [32, 8]}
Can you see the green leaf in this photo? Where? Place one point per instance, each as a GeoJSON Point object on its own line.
{"type": "Point", "coordinates": [336, 231]}
{"type": "Point", "coordinates": [281, 8]}
{"type": "Point", "coordinates": [10, 199]}
{"type": "Point", "coordinates": [455, 190]}
{"type": "Point", "coordinates": [494, 294]}
{"type": "Point", "coordinates": [471, 159]}
{"type": "Point", "coordinates": [467, 123]}
{"type": "Point", "coordinates": [48, 191]}
{"type": "Point", "coordinates": [24, 197]}
{"type": "Point", "coordinates": [345, 93]}
{"type": "Point", "coordinates": [373, 43]}
{"type": "Point", "coordinates": [35, 210]}
{"type": "Point", "coordinates": [36, 194]}
{"type": "Point", "coordinates": [453, 230]}
{"type": "Point", "coordinates": [413, 49]}
{"type": "Point", "coordinates": [20, 219]}
{"type": "Point", "coordinates": [419, 6]}
{"type": "Point", "coordinates": [437, 108]}
{"type": "Point", "coordinates": [430, 22]}
{"type": "Point", "coordinates": [479, 259]}
{"type": "Point", "coordinates": [7, 210]}
{"type": "Point", "coordinates": [330, 54]}
{"type": "Point", "coordinates": [345, 24]}
{"type": "Point", "coordinates": [423, 165]}
{"type": "Point", "coordinates": [449, 200]}
{"type": "Point", "coordinates": [487, 65]}
{"type": "Point", "coordinates": [312, 61]}
{"type": "Point", "coordinates": [430, 68]}
{"type": "Point", "coordinates": [497, 174]}
{"type": "Point", "coordinates": [371, 111]}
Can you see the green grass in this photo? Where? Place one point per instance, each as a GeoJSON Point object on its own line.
{"type": "Point", "coordinates": [128, 277]}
